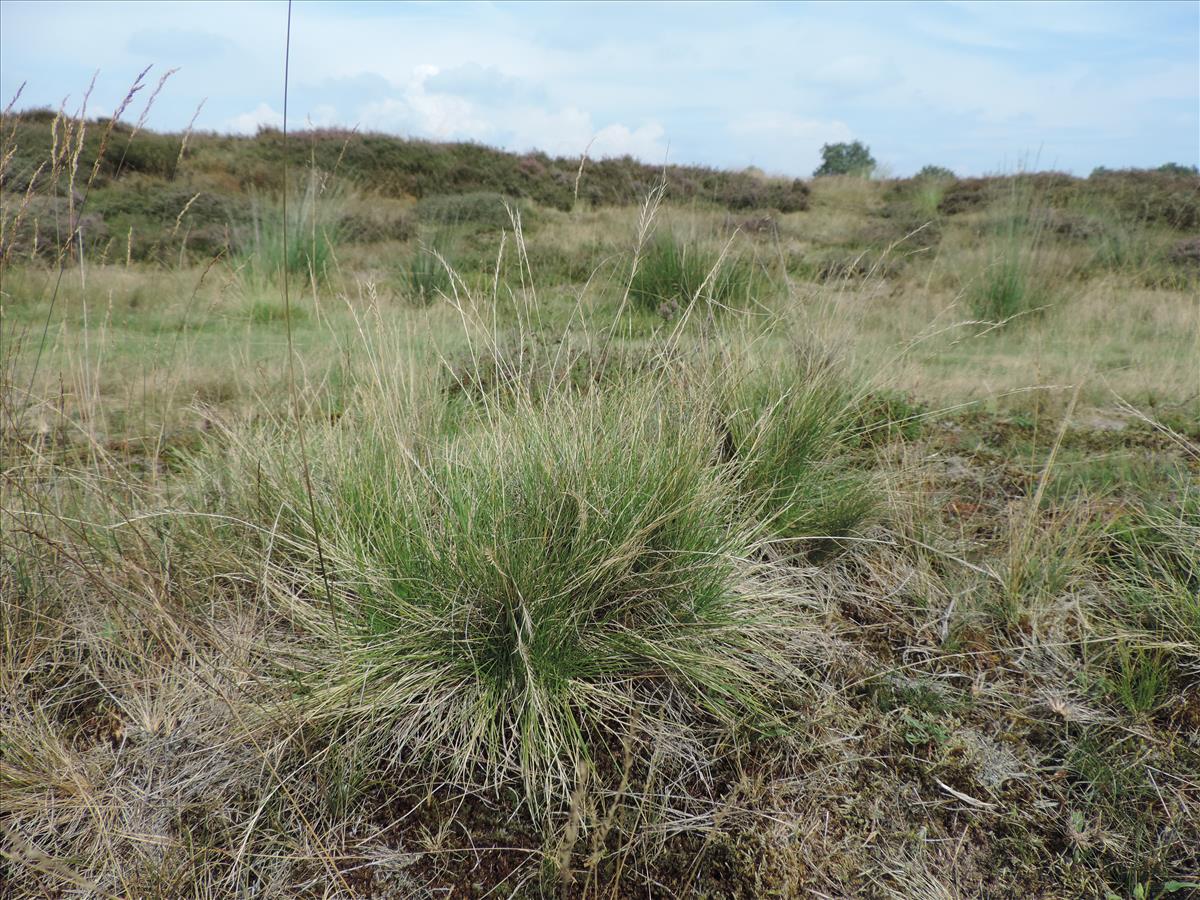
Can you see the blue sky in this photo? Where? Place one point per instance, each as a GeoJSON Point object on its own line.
{"type": "Point", "coordinates": [978, 87]}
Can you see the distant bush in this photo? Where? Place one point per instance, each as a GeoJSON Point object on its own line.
{"type": "Point", "coordinates": [852, 158]}
{"type": "Point", "coordinates": [481, 209]}
{"type": "Point", "coordinates": [145, 201]}
{"type": "Point", "coordinates": [966, 194]}
{"type": "Point", "coordinates": [1178, 169]}
{"type": "Point", "coordinates": [760, 193]}
{"type": "Point", "coordinates": [1164, 197]}
{"type": "Point", "coordinates": [936, 172]}
{"type": "Point", "coordinates": [147, 153]}
{"type": "Point", "coordinates": [397, 167]}
{"type": "Point", "coordinates": [43, 225]}
{"type": "Point", "coordinates": [32, 140]}
{"type": "Point", "coordinates": [1186, 254]}
{"type": "Point", "coordinates": [376, 220]}
{"type": "Point", "coordinates": [1070, 225]}
{"type": "Point", "coordinates": [619, 181]}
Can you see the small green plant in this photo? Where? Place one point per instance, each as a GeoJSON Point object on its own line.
{"type": "Point", "coordinates": [883, 414]}
{"type": "Point", "coordinates": [1140, 678]}
{"type": "Point", "coordinates": [1151, 618]}
{"type": "Point", "coordinates": [920, 730]}
{"type": "Point", "coordinates": [269, 312]}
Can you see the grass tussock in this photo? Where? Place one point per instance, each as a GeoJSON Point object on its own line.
{"type": "Point", "coordinates": [672, 274]}
{"type": "Point", "coordinates": [299, 239]}
{"type": "Point", "coordinates": [426, 274]}
{"type": "Point", "coordinates": [522, 600]}
{"type": "Point", "coordinates": [789, 431]}
{"type": "Point", "coordinates": [1016, 278]}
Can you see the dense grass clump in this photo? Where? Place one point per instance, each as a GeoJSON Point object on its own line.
{"type": "Point", "coordinates": [789, 430]}
{"type": "Point", "coordinates": [424, 277]}
{"type": "Point", "coordinates": [673, 274]}
{"type": "Point", "coordinates": [1007, 286]}
{"type": "Point", "coordinates": [929, 189]}
{"type": "Point", "coordinates": [299, 240]}
{"type": "Point", "coordinates": [1153, 615]}
{"type": "Point", "coordinates": [1014, 278]}
{"type": "Point", "coordinates": [529, 592]}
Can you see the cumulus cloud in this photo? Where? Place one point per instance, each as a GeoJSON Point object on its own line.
{"type": "Point", "coordinates": [412, 109]}
{"type": "Point", "coordinates": [485, 84]}
{"type": "Point", "coordinates": [647, 142]}
{"type": "Point", "coordinates": [250, 122]}
{"type": "Point", "coordinates": [487, 105]}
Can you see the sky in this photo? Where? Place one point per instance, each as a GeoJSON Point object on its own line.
{"type": "Point", "coordinates": [977, 87]}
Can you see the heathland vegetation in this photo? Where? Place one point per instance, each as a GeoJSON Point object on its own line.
{"type": "Point", "coordinates": [385, 518]}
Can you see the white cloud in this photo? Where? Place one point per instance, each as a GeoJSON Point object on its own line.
{"type": "Point", "coordinates": [645, 142]}
{"type": "Point", "coordinates": [414, 111]}
{"type": "Point", "coordinates": [559, 132]}
{"type": "Point", "coordinates": [514, 123]}
{"type": "Point", "coordinates": [250, 122]}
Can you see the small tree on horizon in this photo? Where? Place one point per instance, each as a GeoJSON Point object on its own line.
{"type": "Point", "coordinates": [940, 173]}
{"type": "Point", "coordinates": [852, 158]}
{"type": "Point", "coordinates": [1174, 168]}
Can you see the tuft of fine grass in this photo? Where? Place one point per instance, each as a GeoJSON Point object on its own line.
{"type": "Point", "coordinates": [423, 275]}
{"type": "Point", "coordinates": [305, 244]}
{"type": "Point", "coordinates": [672, 274]}
{"type": "Point", "coordinates": [524, 601]}
{"type": "Point", "coordinates": [929, 189]}
{"type": "Point", "coordinates": [1014, 279]}
{"type": "Point", "coordinates": [789, 429]}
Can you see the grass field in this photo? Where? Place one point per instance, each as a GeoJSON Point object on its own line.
{"type": "Point", "coordinates": [626, 537]}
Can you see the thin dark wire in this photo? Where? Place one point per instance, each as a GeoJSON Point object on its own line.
{"type": "Point", "coordinates": [287, 318]}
